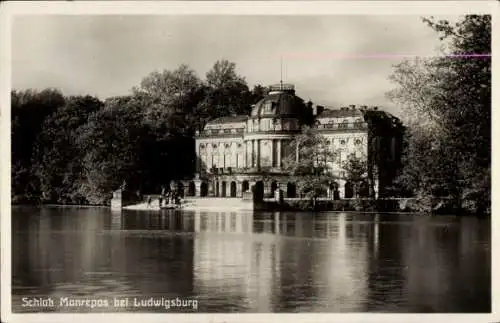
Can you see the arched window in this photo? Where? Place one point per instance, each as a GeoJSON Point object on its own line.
{"type": "Point", "coordinates": [245, 186]}
{"type": "Point", "coordinates": [291, 190]}
{"type": "Point", "coordinates": [233, 189]}
{"type": "Point", "coordinates": [348, 190]}
{"type": "Point", "coordinates": [259, 190]}
{"type": "Point", "coordinates": [192, 188]}
{"type": "Point", "coordinates": [204, 189]}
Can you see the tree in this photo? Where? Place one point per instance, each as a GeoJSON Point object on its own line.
{"type": "Point", "coordinates": [169, 98]}
{"type": "Point", "coordinates": [226, 93]}
{"type": "Point", "coordinates": [449, 99]}
{"type": "Point", "coordinates": [29, 109]}
{"type": "Point", "coordinates": [308, 164]}
{"type": "Point", "coordinates": [258, 93]}
{"type": "Point", "coordinates": [57, 156]}
{"type": "Point", "coordinates": [356, 170]}
{"type": "Point", "coordinates": [112, 142]}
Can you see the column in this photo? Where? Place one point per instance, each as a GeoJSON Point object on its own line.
{"type": "Point", "coordinates": [197, 157]}
{"type": "Point", "coordinates": [273, 147]}
{"type": "Point", "coordinates": [197, 188]}
{"type": "Point", "coordinates": [254, 153]}
{"type": "Point", "coordinates": [245, 154]}
{"type": "Point", "coordinates": [297, 151]}
{"type": "Point", "coordinates": [251, 186]}
{"type": "Point", "coordinates": [239, 188]}
{"type": "Point", "coordinates": [258, 152]}
{"type": "Point", "coordinates": [341, 183]}
{"type": "Point", "coordinates": [220, 188]}
{"type": "Point", "coordinates": [278, 152]}
{"type": "Point", "coordinates": [211, 188]}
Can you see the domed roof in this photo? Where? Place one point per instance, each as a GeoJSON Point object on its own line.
{"type": "Point", "coordinates": [280, 102]}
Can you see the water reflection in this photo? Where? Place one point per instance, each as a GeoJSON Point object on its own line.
{"type": "Point", "coordinates": [257, 262]}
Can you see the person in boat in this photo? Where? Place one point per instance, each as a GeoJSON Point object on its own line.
{"type": "Point", "coordinates": [149, 201]}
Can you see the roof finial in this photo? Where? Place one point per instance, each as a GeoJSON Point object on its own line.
{"type": "Point", "coordinates": [281, 71]}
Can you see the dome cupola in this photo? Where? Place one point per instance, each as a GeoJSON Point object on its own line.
{"type": "Point", "coordinates": [280, 102]}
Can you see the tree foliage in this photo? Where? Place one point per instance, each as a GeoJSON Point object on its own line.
{"type": "Point", "coordinates": [356, 169]}
{"type": "Point", "coordinates": [309, 164]}
{"type": "Point", "coordinates": [78, 149]}
{"type": "Point", "coordinates": [29, 111]}
{"type": "Point", "coordinates": [226, 93]}
{"type": "Point", "coordinates": [56, 155]}
{"type": "Point", "coordinates": [449, 100]}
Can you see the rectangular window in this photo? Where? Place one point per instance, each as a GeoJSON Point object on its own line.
{"type": "Point", "coordinates": [204, 161]}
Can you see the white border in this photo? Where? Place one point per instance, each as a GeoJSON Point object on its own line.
{"type": "Point", "coordinates": [9, 9]}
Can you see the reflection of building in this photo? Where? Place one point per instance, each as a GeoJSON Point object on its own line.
{"type": "Point", "coordinates": [284, 262]}
{"type": "Point", "coordinates": [234, 153]}
{"type": "Point", "coordinates": [232, 267]}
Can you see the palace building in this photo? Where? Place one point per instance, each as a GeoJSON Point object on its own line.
{"type": "Point", "coordinates": [236, 153]}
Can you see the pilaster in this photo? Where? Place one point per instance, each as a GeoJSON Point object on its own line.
{"type": "Point", "coordinates": [278, 152]}
{"type": "Point", "coordinates": [239, 188]}
{"type": "Point", "coordinates": [259, 142]}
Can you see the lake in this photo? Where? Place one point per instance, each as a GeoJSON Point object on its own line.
{"type": "Point", "coordinates": [256, 262]}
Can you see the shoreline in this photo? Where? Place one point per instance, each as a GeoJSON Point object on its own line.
{"type": "Point", "coordinates": [60, 205]}
{"type": "Point", "coordinates": [223, 209]}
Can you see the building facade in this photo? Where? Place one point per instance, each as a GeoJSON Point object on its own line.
{"type": "Point", "coordinates": [236, 153]}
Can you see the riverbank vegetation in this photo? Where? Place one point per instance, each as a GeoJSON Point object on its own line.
{"type": "Point", "coordinates": [78, 149]}
{"type": "Point", "coordinates": [447, 103]}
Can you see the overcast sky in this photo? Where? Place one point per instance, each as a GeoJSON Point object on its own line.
{"type": "Point", "coordinates": [332, 60]}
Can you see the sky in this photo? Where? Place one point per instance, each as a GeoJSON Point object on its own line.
{"type": "Point", "coordinates": [332, 60]}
